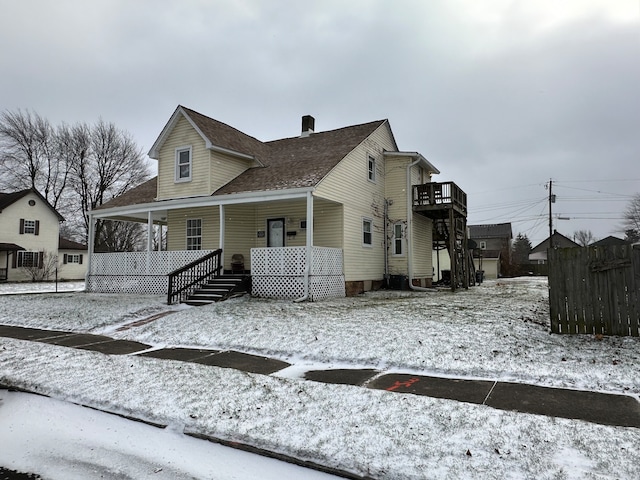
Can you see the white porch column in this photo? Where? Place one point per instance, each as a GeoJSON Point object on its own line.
{"type": "Point", "coordinates": [91, 242]}
{"type": "Point", "coordinates": [221, 243]}
{"type": "Point", "coordinates": [149, 239]}
{"type": "Point", "coordinates": [309, 220]}
{"type": "Point", "coordinates": [149, 231]}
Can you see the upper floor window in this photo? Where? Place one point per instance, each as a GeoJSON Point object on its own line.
{"type": "Point", "coordinates": [183, 164]}
{"type": "Point", "coordinates": [194, 234]}
{"type": "Point", "coordinates": [29, 226]}
{"type": "Point", "coordinates": [367, 232]}
{"type": "Point", "coordinates": [483, 245]}
{"type": "Point", "coordinates": [371, 168]}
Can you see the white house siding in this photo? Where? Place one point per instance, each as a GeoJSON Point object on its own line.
{"type": "Point", "coordinates": [183, 135]}
{"type": "Point", "coordinates": [328, 226]}
{"type": "Point", "coordinates": [177, 227]}
{"type": "Point", "coordinates": [240, 233]}
{"type": "Point", "coordinates": [72, 271]}
{"type": "Point", "coordinates": [422, 246]}
{"type": "Point", "coordinates": [46, 240]}
{"type": "Point", "coordinates": [396, 193]}
{"type": "Point", "coordinates": [348, 184]}
{"type": "Point", "coordinates": [224, 168]}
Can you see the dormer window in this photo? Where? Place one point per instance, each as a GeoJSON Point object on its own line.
{"type": "Point", "coordinates": [183, 164]}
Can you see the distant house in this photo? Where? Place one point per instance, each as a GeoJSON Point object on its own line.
{"type": "Point", "coordinates": [493, 248]}
{"type": "Point", "coordinates": [29, 238]}
{"type": "Point", "coordinates": [316, 215]}
{"type": "Point", "coordinates": [609, 241]}
{"type": "Point", "coordinates": [71, 260]}
{"type": "Point", "coordinates": [538, 254]}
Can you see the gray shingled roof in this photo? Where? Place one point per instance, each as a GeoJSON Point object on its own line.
{"type": "Point", "coordinates": [295, 162]}
{"type": "Point", "coordinates": [144, 193]}
{"type": "Point", "coordinates": [66, 244]}
{"type": "Point", "coordinates": [494, 230]}
{"type": "Point", "coordinates": [300, 161]}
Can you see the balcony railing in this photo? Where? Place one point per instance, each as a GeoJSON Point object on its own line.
{"type": "Point", "coordinates": [435, 196]}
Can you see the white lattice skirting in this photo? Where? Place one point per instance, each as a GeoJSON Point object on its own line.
{"type": "Point", "coordinates": [279, 273]}
{"type": "Point", "coordinates": [143, 273]}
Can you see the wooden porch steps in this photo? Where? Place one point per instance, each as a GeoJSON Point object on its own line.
{"type": "Point", "coordinates": [220, 288]}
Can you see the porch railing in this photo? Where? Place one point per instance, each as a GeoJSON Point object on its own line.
{"type": "Point", "coordinates": [440, 195]}
{"type": "Point", "coordinates": [184, 280]}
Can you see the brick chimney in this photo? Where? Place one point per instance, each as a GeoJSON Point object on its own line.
{"type": "Point", "coordinates": [308, 124]}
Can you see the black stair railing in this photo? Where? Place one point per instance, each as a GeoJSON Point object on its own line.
{"type": "Point", "coordinates": [185, 280]}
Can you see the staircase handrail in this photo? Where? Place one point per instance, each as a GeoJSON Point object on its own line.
{"type": "Point", "coordinates": [184, 280]}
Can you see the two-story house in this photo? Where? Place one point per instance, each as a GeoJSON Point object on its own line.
{"type": "Point", "coordinates": [316, 215]}
{"type": "Point", "coordinates": [30, 240]}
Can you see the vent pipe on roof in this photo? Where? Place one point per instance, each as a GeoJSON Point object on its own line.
{"type": "Point", "coordinates": [308, 125]}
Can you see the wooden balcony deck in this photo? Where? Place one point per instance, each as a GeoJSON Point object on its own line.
{"type": "Point", "coordinates": [435, 200]}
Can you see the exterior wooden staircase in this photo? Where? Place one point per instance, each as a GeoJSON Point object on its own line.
{"type": "Point", "coordinates": [220, 288]}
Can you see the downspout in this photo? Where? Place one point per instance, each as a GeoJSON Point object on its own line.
{"type": "Point", "coordinates": [309, 249]}
{"type": "Point", "coordinates": [410, 230]}
{"type": "Point", "coordinates": [386, 242]}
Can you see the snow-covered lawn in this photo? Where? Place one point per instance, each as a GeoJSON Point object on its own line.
{"type": "Point", "coordinates": [496, 331]}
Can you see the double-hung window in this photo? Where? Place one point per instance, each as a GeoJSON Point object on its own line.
{"type": "Point", "coordinates": [194, 234]}
{"type": "Point", "coordinates": [371, 168]}
{"type": "Point", "coordinates": [367, 232]}
{"type": "Point", "coordinates": [398, 243]}
{"type": "Point", "coordinates": [31, 227]}
{"type": "Point", "coordinates": [184, 164]}
{"type": "Point", "coordinates": [28, 259]}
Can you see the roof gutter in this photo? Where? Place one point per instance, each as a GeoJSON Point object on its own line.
{"type": "Point", "coordinates": [204, 201]}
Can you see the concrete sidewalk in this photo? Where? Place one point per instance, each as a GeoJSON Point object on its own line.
{"type": "Point", "coordinates": [602, 408]}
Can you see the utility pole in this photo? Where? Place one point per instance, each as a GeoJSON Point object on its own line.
{"type": "Point", "coordinates": [552, 199]}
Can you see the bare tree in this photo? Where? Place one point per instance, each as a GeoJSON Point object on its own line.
{"type": "Point", "coordinates": [77, 168]}
{"type": "Point", "coordinates": [29, 156]}
{"type": "Point", "coordinates": [632, 219]}
{"type": "Point", "coordinates": [42, 266]}
{"type": "Point", "coordinates": [583, 237]}
{"type": "Point", "coordinates": [106, 162]}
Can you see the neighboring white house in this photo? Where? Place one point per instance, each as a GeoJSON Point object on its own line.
{"type": "Point", "coordinates": [72, 256]}
{"type": "Point", "coordinates": [29, 238]}
{"type": "Point", "coordinates": [315, 215]}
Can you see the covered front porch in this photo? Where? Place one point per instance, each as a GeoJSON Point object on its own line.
{"type": "Point", "coordinates": [272, 235]}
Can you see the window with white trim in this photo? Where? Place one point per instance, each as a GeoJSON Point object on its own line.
{"type": "Point", "coordinates": [367, 232]}
{"type": "Point", "coordinates": [183, 164]}
{"type": "Point", "coordinates": [28, 259]}
{"type": "Point", "coordinates": [30, 226]}
{"type": "Point", "coordinates": [398, 238]}
{"type": "Point", "coordinates": [194, 234]}
{"type": "Point", "coordinates": [483, 245]}
{"type": "Point", "coordinates": [72, 258]}
{"type": "Point", "coordinates": [371, 168]}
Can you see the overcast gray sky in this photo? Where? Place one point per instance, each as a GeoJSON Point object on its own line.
{"type": "Point", "coordinates": [500, 95]}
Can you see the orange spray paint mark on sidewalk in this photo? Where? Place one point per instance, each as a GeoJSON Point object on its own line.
{"type": "Point", "coordinates": [399, 384]}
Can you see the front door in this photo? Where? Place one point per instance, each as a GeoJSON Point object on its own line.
{"type": "Point", "coordinates": [275, 232]}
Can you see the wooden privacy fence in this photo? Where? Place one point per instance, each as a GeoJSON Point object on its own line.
{"type": "Point", "coordinates": [595, 290]}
